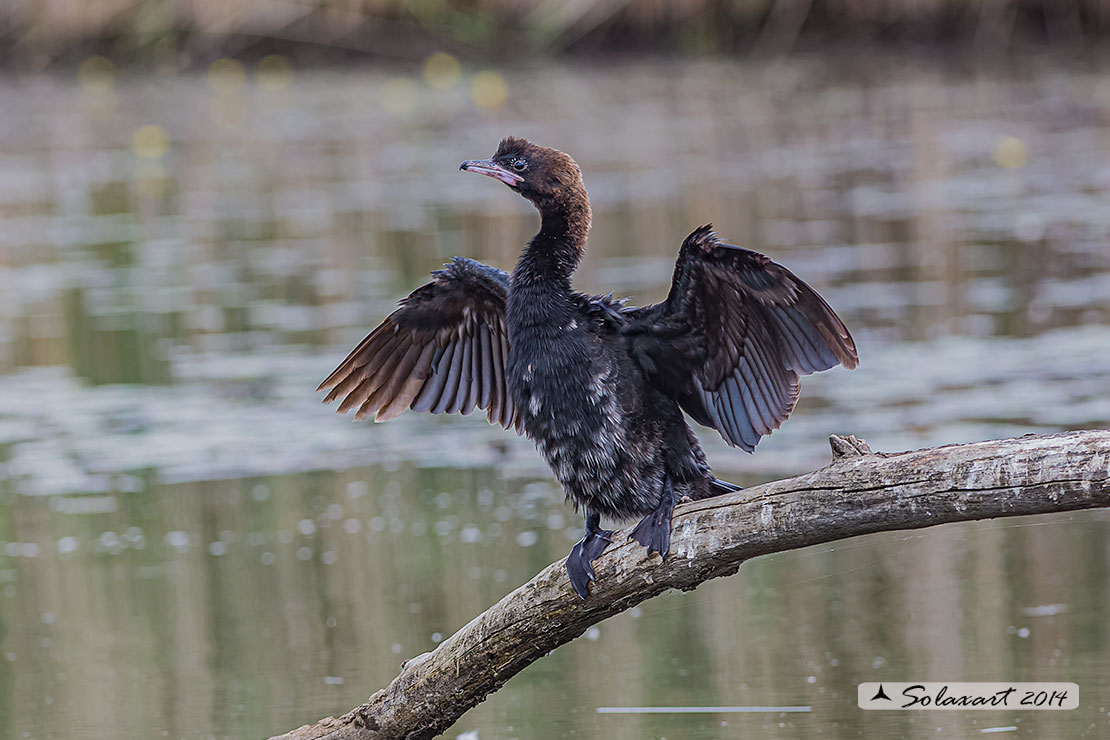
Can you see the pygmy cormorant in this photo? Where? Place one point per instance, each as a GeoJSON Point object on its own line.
{"type": "Point", "coordinates": [599, 386]}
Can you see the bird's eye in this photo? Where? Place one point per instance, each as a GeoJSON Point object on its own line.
{"type": "Point", "coordinates": [519, 164]}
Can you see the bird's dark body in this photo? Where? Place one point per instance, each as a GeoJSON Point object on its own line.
{"type": "Point", "coordinates": [607, 433]}
{"type": "Point", "coordinates": [601, 388]}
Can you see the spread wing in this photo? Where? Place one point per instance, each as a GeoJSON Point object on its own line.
{"type": "Point", "coordinates": [444, 350]}
{"type": "Point", "coordinates": [734, 335]}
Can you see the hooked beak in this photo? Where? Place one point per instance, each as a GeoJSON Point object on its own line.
{"type": "Point", "coordinates": [489, 168]}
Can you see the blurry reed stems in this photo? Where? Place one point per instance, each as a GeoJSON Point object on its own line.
{"type": "Point", "coordinates": [181, 31]}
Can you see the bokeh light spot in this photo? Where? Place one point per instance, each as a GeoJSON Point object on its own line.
{"type": "Point", "coordinates": [150, 141]}
{"type": "Point", "coordinates": [226, 76]}
{"type": "Point", "coordinates": [489, 90]}
{"type": "Point", "coordinates": [1010, 152]}
{"type": "Point", "coordinates": [96, 74]}
{"type": "Point", "coordinates": [275, 72]}
{"type": "Point", "coordinates": [398, 96]}
{"type": "Point", "coordinates": [442, 71]}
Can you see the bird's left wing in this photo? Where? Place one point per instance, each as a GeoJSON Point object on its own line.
{"type": "Point", "coordinates": [444, 350]}
{"type": "Point", "coordinates": [734, 334]}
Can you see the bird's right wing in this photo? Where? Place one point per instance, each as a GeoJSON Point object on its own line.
{"type": "Point", "coordinates": [444, 350]}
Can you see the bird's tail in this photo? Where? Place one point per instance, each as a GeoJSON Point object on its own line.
{"type": "Point", "coordinates": [717, 487]}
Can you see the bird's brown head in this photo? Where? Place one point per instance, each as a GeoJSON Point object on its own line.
{"type": "Point", "coordinates": [549, 178]}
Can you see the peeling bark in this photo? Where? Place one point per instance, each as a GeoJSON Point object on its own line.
{"type": "Point", "coordinates": [859, 493]}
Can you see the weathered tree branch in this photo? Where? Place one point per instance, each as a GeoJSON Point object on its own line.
{"type": "Point", "coordinates": [860, 493]}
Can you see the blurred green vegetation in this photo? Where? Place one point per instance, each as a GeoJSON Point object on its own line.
{"type": "Point", "coordinates": [179, 33]}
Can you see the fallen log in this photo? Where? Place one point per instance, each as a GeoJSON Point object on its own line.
{"type": "Point", "coordinates": [859, 493]}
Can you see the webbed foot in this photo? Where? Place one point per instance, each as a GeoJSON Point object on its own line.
{"type": "Point", "coordinates": [654, 530]}
{"type": "Point", "coordinates": [580, 563]}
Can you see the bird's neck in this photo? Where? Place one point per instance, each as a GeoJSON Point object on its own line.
{"type": "Point", "coordinates": [554, 253]}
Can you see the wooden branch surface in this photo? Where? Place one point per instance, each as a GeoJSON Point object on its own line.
{"type": "Point", "coordinates": [859, 493]}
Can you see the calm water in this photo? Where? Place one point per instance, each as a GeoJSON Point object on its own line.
{"type": "Point", "coordinates": [191, 546]}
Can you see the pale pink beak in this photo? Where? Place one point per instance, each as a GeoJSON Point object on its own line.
{"type": "Point", "coordinates": [490, 168]}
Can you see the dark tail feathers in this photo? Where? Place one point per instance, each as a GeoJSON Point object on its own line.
{"type": "Point", "coordinates": [717, 487]}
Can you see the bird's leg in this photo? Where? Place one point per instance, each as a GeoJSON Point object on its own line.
{"type": "Point", "coordinates": [654, 530]}
{"type": "Point", "coordinates": [580, 563]}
